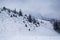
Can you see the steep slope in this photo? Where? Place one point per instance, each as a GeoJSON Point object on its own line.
{"type": "Point", "coordinates": [16, 26]}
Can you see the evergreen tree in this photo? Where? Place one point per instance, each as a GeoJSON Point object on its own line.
{"type": "Point", "coordinates": [57, 26]}
{"type": "Point", "coordinates": [34, 20]}
{"type": "Point", "coordinates": [30, 18]}
{"type": "Point", "coordinates": [9, 11]}
{"type": "Point", "coordinates": [14, 15]}
{"type": "Point", "coordinates": [20, 13]}
{"type": "Point", "coordinates": [14, 11]}
{"type": "Point", "coordinates": [4, 8]}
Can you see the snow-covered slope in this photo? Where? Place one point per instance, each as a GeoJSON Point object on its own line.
{"type": "Point", "coordinates": [14, 28]}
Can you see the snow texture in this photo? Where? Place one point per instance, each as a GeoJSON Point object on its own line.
{"type": "Point", "coordinates": [13, 28]}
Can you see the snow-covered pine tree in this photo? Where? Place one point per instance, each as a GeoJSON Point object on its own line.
{"type": "Point", "coordinates": [34, 20]}
{"type": "Point", "coordinates": [14, 11]}
{"type": "Point", "coordinates": [9, 11]}
{"type": "Point", "coordinates": [30, 18]}
{"type": "Point", "coordinates": [20, 13]}
{"type": "Point", "coordinates": [4, 8]}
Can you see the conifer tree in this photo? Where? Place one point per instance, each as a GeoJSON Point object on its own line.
{"type": "Point", "coordinates": [4, 8]}
{"type": "Point", "coordinates": [14, 11]}
{"type": "Point", "coordinates": [20, 13]}
{"type": "Point", "coordinates": [30, 18]}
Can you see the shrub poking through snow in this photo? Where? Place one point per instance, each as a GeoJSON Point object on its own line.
{"type": "Point", "coordinates": [29, 29]}
{"type": "Point", "coordinates": [14, 15]}
{"type": "Point", "coordinates": [25, 25]}
{"type": "Point", "coordinates": [1, 9]}
{"type": "Point", "coordinates": [38, 23]}
{"type": "Point", "coordinates": [11, 16]}
{"type": "Point", "coordinates": [23, 21]}
{"type": "Point", "coordinates": [42, 22]}
{"type": "Point", "coordinates": [25, 15]}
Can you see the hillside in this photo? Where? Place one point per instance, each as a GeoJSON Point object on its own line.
{"type": "Point", "coordinates": [14, 25]}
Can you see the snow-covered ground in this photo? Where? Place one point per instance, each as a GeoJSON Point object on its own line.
{"type": "Point", "coordinates": [14, 29]}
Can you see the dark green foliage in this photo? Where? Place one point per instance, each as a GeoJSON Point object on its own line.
{"type": "Point", "coordinates": [0, 11]}
{"type": "Point", "coordinates": [25, 25]}
{"type": "Point", "coordinates": [29, 29]}
{"type": "Point", "coordinates": [14, 15]}
{"type": "Point", "coordinates": [4, 8]}
{"type": "Point", "coordinates": [25, 15]}
{"type": "Point", "coordinates": [38, 23]}
{"type": "Point", "coordinates": [52, 20]}
{"type": "Point", "coordinates": [30, 18]}
{"type": "Point", "coordinates": [9, 11]}
{"type": "Point", "coordinates": [11, 16]}
{"type": "Point", "coordinates": [42, 22]}
{"type": "Point", "coordinates": [57, 26]}
{"type": "Point", "coordinates": [34, 20]}
{"type": "Point", "coordinates": [14, 11]}
{"type": "Point", "coordinates": [23, 21]}
{"type": "Point", "coordinates": [20, 13]}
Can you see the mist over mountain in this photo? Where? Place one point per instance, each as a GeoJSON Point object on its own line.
{"type": "Point", "coordinates": [48, 8]}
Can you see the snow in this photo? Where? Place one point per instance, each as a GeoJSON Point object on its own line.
{"type": "Point", "coordinates": [14, 29]}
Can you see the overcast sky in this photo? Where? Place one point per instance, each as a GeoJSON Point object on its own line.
{"type": "Point", "coordinates": [48, 8]}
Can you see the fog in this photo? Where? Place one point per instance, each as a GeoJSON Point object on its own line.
{"type": "Point", "coordinates": [47, 8]}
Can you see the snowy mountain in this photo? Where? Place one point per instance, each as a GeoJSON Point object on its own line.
{"type": "Point", "coordinates": [15, 24]}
